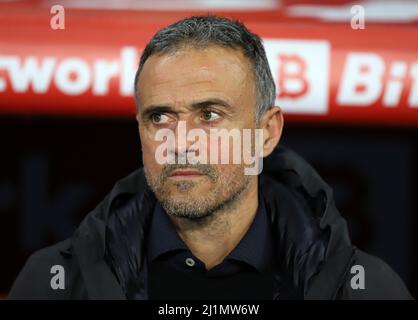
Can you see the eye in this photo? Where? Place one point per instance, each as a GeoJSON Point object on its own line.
{"type": "Point", "coordinates": [210, 116]}
{"type": "Point", "coordinates": [159, 118]}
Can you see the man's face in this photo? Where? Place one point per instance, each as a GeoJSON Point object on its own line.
{"type": "Point", "coordinates": [205, 89]}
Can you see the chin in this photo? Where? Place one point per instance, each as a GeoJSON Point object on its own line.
{"type": "Point", "coordinates": [191, 194]}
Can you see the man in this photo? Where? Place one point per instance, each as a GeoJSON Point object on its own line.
{"type": "Point", "coordinates": [184, 227]}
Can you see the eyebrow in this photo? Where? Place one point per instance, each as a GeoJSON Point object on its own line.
{"type": "Point", "coordinates": [209, 102]}
{"type": "Point", "coordinates": [198, 105]}
{"type": "Point", "coordinates": [157, 109]}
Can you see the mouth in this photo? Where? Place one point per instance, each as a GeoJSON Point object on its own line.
{"type": "Point", "coordinates": [185, 174]}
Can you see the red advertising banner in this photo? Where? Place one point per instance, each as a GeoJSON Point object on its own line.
{"type": "Point", "coordinates": [324, 71]}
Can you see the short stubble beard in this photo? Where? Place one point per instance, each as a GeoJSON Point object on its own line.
{"type": "Point", "coordinates": [225, 194]}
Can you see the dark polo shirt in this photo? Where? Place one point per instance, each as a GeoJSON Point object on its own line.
{"type": "Point", "coordinates": [175, 273]}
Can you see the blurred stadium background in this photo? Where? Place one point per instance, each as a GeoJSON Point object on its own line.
{"type": "Point", "coordinates": [68, 132]}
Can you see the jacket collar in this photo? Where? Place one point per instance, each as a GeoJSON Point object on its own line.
{"type": "Point", "coordinates": [308, 230]}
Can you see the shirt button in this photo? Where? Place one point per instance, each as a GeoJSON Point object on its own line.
{"type": "Point", "coordinates": [190, 262]}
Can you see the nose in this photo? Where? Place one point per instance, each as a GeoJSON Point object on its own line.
{"type": "Point", "coordinates": [186, 146]}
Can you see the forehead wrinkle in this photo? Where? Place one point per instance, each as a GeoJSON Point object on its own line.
{"type": "Point", "coordinates": [237, 62]}
{"type": "Point", "coordinates": [211, 74]}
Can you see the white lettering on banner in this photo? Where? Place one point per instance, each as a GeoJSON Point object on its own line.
{"type": "Point", "coordinates": [104, 71]}
{"type": "Point", "coordinates": [413, 96]}
{"type": "Point", "coordinates": [129, 66]}
{"type": "Point", "coordinates": [361, 79]}
{"type": "Point", "coordinates": [33, 71]}
{"type": "Point", "coordinates": [395, 84]}
{"type": "Point", "coordinates": [363, 83]}
{"type": "Point", "coordinates": [71, 76]}
{"type": "Point", "coordinates": [301, 72]}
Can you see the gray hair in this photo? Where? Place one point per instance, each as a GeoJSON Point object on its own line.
{"type": "Point", "coordinates": [205, 31]}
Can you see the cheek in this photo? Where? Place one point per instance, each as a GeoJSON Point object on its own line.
{"type": "Point", "coordinates": [227, 150]}
{"type": "Point", "coordinates": [148, 153]}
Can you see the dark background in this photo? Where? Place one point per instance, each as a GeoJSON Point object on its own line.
{"type": "Point", "coordinates": [55, 170]}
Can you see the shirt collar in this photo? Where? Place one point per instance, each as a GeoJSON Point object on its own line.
{"type": "Point", "coordinates": [255, 248]}
{"type": "Point", "coordinates": [163, 236]}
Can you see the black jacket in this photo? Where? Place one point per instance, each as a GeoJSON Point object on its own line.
{"type": "Point", "coordinates": [105, 258]}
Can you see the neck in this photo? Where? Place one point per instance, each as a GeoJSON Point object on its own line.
{"type": "Point", "coordinates": [212, 238]}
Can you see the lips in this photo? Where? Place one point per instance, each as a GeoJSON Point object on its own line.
{"type": "Point", "coordinates": [185, 173]}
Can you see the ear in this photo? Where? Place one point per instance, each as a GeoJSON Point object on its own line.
{"type": "Point", "coordinates": [272, 125]}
